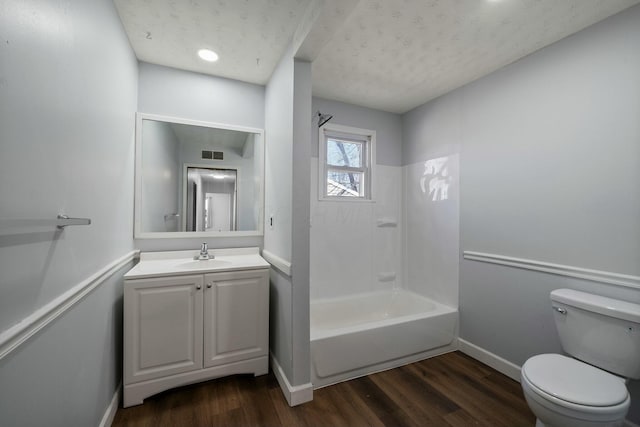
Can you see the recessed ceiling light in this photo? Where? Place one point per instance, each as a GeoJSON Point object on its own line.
{"type": "Point", "coordinates": [208, 55]}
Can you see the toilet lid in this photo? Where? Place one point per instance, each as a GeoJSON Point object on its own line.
{"type": "Point", "coordinates": [574, 381]}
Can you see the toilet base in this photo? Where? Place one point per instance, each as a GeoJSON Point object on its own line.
{"type": "Point", "coordinates": [588, 424]}
{"type": "Point", "coordinates": [557, 420]}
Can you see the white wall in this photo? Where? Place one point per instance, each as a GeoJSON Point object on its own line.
{"type": "Point", "coordinates": [431, 184]}
{"type": "Point", "coordinates": [67, 103]}
{"type": "Point", "coordinates": [184, 94]}
{"type": "Point", "coordinates": [161, 172]}
{"type": "Point", "coordinates": [348, 249]}
{"type": "Point", "coordinates": [550, 166]}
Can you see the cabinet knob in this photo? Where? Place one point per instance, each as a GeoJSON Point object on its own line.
{"type": "Point", "coordinates": [198, 287]}
{"type": "Point", "coordinates": [209, 285]}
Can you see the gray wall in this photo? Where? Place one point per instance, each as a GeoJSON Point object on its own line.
{"type": "Point", "coordinates": [288, 129]}
{"type": "Point", "coordinates": [184, 94]}
{"type": "Point", "coordinates": [278, 186]}
{"type": "Point", "coordinates": [66, 145]}
{"type": "Point", "coordinates": [278, 158]}
{"type": "Point", "coordinates": [550, 166]}
{"type": "Point", "coordinates": [301, 158]}
{"type": "Point", "coordinates": [388, 127]}
{"type": "Point", "coordinates": [67, 374]}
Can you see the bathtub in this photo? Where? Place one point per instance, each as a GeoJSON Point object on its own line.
{"type": "Point", "coordinates": [361, 334]}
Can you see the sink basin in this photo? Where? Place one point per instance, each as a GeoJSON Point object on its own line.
{"type": "Point", "coordinates": [209, 263]}
{"type": "Point", "coordinates": [176, 263]}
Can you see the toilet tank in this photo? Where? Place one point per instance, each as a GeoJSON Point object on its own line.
{"type": "Point", "coordinates": [601, 331]}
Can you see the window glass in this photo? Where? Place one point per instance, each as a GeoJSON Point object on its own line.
{"type": "Point", "coordinates": [345, 184]}
{"type": "Point", "coordinates": [346, 163]}
{"type": "Point", "coordinates": [344, 153]}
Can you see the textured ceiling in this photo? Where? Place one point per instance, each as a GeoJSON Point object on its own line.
{"type": "Point", "coordinates": [249, 35]}
{"type": "Point", "coordinates": [391, 55]}
{"type": "Point", "coordinates": [394, 55]}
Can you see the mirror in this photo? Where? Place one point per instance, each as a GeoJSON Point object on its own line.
{"type": "Point", "coordinates": [197, 179]}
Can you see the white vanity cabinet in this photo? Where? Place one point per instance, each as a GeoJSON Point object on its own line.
{"type": "Point", "coordinates": [236, 316]}
{"type": "Point", "coordinates": [163, 327]}
{"type": "Point", "coordinates": [193, 324]}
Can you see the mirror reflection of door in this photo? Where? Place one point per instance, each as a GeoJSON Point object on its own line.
{"type": "Point", "coordinates": [217, 207]}
{"type": "Point", "coordinates": [211, 199]}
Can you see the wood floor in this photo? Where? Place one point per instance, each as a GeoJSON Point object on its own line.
{"type": "Point", "coordinates": [449, 390]}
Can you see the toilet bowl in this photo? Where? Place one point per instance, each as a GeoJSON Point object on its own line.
{"type": "Point", "coordinates": [603, 335]}
{"type": "Point", "coordinates": [565, 392]}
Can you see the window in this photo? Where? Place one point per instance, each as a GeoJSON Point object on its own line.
{"type": "Point", "coordinates": [347, 157]}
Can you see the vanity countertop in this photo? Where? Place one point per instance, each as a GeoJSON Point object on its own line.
{"type": "Point", "coordinates": [174, 263]}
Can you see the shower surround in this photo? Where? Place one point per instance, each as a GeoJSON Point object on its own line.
{"type": "Point", "coordinates": [384, 273]}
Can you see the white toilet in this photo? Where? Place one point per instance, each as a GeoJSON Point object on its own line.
{"type": "Point", "coordinates": [604, 333]}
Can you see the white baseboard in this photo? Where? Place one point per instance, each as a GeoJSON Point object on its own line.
{"type": "Point", "coordinates": [501, 365]}
{"type": "Point", "coordinates": [110, 412]}
{"type": "Point", "coordinates": [295, 395]}
{"type": "Point", "coordinates": [496, 362]}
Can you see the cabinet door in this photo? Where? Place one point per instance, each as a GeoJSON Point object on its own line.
{"type": "Point", "coordinates": [236, 316]}
{"type": "Point", "coordinates": [162, 327]}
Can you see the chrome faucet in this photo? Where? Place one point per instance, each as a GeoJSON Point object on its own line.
{"type": "Point", "coordinates": [204, 253]}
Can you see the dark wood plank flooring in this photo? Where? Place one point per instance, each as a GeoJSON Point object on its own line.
{"type": "Point", "coordinates": [449, 390]}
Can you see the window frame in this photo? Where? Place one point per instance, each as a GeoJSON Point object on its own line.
{"type": "Point", "coordinates": [349, 134]}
